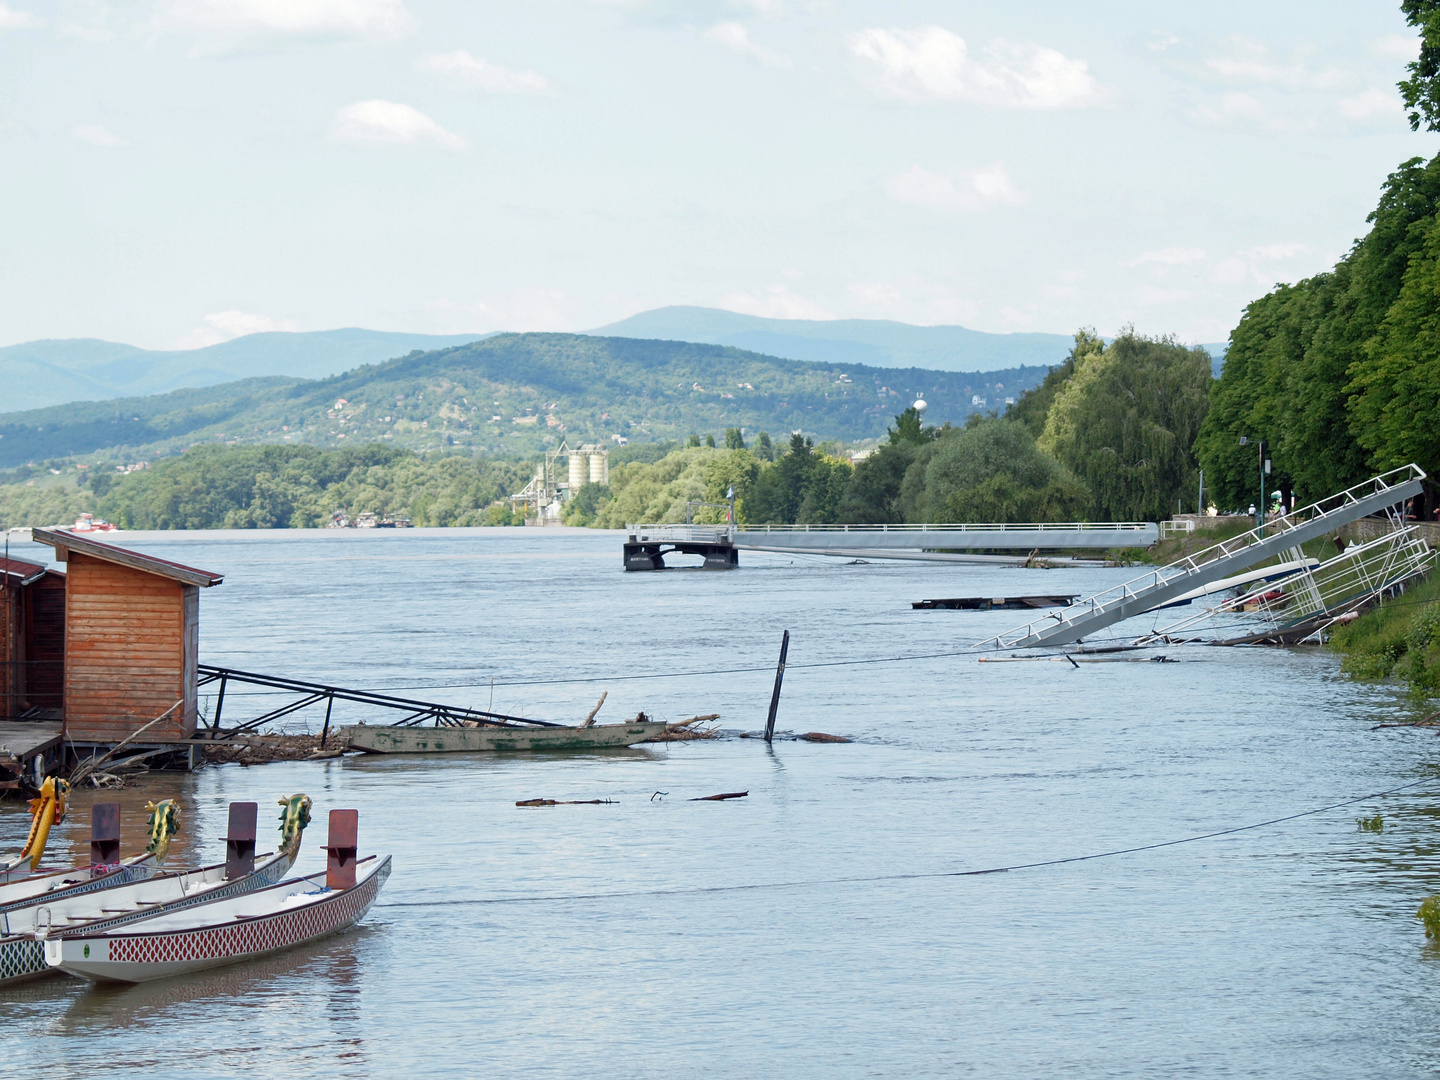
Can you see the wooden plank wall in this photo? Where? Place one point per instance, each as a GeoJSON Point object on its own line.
{"type": "Point", "coordinates": [125, 652]}
{"type": "Point", "coordinates": [45, 643]}
{"type": "Point", "coordinates": [12, 649]}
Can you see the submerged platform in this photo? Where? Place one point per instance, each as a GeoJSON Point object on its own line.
{"type": "Point", "coordinates": [994, 603]}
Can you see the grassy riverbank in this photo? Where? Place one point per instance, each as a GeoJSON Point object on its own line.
{"type": "Point", "coordinates": [1400, 640]}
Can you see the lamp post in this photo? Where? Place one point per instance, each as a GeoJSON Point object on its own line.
{"type": "Point", "coordinates": [1264, 468]}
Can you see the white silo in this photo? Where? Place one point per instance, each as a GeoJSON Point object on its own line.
{"type": "Point", "coordinates": [577, 471]}
{"type": "Point", "coordinates": [599, 466]}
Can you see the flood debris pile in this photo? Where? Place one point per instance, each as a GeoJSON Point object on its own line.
{"type": "Point", "coordinates": [687, 730]}
{"type": "Point", "coordinates": [263, 749]}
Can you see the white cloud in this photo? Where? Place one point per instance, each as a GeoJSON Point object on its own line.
{"type": "Point", "coordinates": [1371, 104]}
{"type": "Point", "coordinates": [914, 301]}
{"type": "Point", "coordinates": [1172, 256]}
{"type": "Point", "coordinates": [335, 19]}
{"type": "Point", "coordinates": [390, 122]}
{"type": "Point", "coordinates": [1275, 252]}
{"type": "Point", "coordinates": [1231, 108]}
{"type": "Point", "coordinates": [1153, 295]}
{"type": "Point", "coordinates": [221, 326]}
{"type": "Point", "coordinates": [775, 302]}
{"type": "Point", "coordinates": [520, 309]}
{"type": "Point", "coordinates": [735, 37]}
{"type": "Point", "coordinates": [459, 68]}
{"type": "Point", "coordinates": [971, 191]}
{"type": "Point", "coordinates": [934, 64]}
{"type": "Point", "coordinates": [1251, 62]}
{"type": "Point", "coordinates": [1397, 47]}
{"type": "Point", "coordinates": [10, 19]}
{"type": "Point", "coordinates": [96, 135]}
{"type": "Point", "coordinates": [1163, 42]}
{"type": "Point", "coordinates": [1250, 265]}
{"type": "Point", "coordinates": [766, 9]}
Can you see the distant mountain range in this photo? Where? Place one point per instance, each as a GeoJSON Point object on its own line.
{"type": "Point", "coordinates": [877, 343]}
{"type": "Point", "coordinates": [515, 395]}
{"type": "Point", "coordinates": [56, 371]}
{"type": "Point", "coordinates": [38, 374]}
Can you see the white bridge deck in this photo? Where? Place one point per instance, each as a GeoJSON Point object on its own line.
{"type": "Point", "coordinates": [822, 539]}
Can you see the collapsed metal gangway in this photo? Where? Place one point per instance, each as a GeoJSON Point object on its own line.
{"type": "Point", "coordinates": [1304, 604]}
{"type": "Point", "coordinates": [1161, 586]}
{"type": "Point", "coordinates": [306, 694]}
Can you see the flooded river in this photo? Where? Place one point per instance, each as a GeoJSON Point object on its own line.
{"type": "Point", "coordinates": [808, 930]}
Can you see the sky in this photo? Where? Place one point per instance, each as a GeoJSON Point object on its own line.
{"type": "Point", "coordinates": [180, 172]}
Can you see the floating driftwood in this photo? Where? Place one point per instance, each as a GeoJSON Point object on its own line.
{"type": "Point", "coordinates": [722, 798]}
{"type": "Point", "coordinates": [820, 736]}
{"type": "Point", "coordinates": [565, 802]}
{"type": "Point", "coordinates": [684, 731]}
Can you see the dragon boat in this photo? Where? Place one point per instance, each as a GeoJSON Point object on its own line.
{"type": "Point", "coordinates": [385, 739]}
{"type": "Point", "coordinates": [226, 931]}
{"type": "Point", "coordinates": [104, 869]}
{"type": "Point", "coordinates": [24, 927]}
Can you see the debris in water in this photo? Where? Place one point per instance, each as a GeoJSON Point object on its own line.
{"type": "Point", "coordinates": [722, 798]}
{"type": "Point", "coordinates": [820, 736]}
{"type": "Point", "coordinates": [1429, 914]}
{"type": "Point", "coordinates": [684, 732]}
{"type": "Point", "coordinates": [565, 802]}
{"type": "Point", "coordinates": [1371, 824]}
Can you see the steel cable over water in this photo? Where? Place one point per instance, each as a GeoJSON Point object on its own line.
{"type": "Point", "coordinates": [916, 876]}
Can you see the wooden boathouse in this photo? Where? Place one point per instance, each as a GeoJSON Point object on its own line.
{"type": "Point", "coordinates": [131, 638]}
{"type": "Point", "coordinates": [32, 652]}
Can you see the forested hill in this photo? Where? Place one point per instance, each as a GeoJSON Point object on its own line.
{"type": "Point", "coordinates": [514, 394]}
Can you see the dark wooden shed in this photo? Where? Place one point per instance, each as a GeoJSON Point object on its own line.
{"type": "Point", "coordinates": [132, 638]}
{"type": "Point", "coordinates": [32, 641]}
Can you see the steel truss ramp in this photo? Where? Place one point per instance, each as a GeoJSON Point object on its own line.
{"type": "Point", "coordinates": [1316, 596]}
{"type": "Point", "coordinates": [1159, 587]}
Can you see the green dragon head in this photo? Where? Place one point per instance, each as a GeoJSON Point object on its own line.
{"type": "Point", "coordinates": [293, 820]}
{"type": "Point", "coordinates": [164, 823]}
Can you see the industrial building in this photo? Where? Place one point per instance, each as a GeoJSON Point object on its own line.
{"type": "Point", "coordinates": [541, 501]}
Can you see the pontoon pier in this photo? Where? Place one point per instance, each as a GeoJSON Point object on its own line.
{"type": "Point", "coordinates": [647, 545]}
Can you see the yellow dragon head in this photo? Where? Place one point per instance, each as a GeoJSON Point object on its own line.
{"type": "Point", "coordinates": [164, 823]}
{"type": "Point", "coordinates": [45, 810]}
{"type": "Point", "coordinates": [293, 820]}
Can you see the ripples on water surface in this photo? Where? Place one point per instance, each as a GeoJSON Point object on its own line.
{"type": "Point", "coordinates": [1286, 951]}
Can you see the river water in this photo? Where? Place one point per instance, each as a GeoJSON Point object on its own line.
{"type": "Point", "coordinates": [808, 929]}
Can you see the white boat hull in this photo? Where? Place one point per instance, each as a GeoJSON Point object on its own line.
{"type": "Point", "coordinates": [219, 933]}
{"type": "Point", "coordinates": [22, 955]}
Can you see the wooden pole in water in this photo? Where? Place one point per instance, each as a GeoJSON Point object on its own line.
{"type": "Point", "coordinates": [779, 678]}
{"type": "Point", "coordinates": [325, 731]}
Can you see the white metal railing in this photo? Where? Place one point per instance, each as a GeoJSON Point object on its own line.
{"type": "Point", "coordinates": [704, 534]}
{"type": "Point", "coordinates": [1168, 528]}
{"type": "Point", "coordinates": [1044, 526]}
{"type": "Point", "coordinates": [1342, 583]}
{"type": "Point", "coordinates": [1087, 609]}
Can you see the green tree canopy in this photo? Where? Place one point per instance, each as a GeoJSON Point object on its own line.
{"type": "Point", "coordinates": [1125, 424]}
{"type": "Point", "coordinates": [1421, 91]}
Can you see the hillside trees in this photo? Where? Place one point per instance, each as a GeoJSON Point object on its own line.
{"type": "Point", "coordinates": [261, 487]}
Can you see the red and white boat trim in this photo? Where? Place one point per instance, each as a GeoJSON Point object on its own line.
{"type": "Point", "coordinates": [223, 931]}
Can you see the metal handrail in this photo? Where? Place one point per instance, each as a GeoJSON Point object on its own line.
{"type": "Point", "coordinates": [960, 526]}
{"type": "Point", "coordinates": [1090, 606]}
